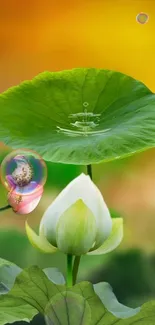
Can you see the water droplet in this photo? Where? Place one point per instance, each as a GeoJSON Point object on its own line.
{"type": "Point", "coordinates": [83, 124]}
{"type": "Point", "coordinates": [142, 18]}
{"type": "Point", "coordinates": [23, 172]}
{"type": "Point", "coordinates": [85, 104]}
{"type": "Point", "coordinates": [84, 121]}
{"type": "Point", "coordinates": [73, 133]}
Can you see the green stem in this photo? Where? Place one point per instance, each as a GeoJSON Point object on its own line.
{"type": "Point", "coordinates": [89, 171]}
{"type": "Point", "coordinates": [77, 258]}
{"type": "Point", "coordinates": [69, 270]}
{"type": "Point", "coordinates": [75, 268]}
{"type": "Point", "coordinates": [5, 208]}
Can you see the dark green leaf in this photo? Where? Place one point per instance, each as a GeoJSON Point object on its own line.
{"type": "Point", "coordinates": [31, 293]}
{"type": "Point", "coordinates": [68, 308]}
{"type": "Point", "coordinates": [100, 314]}
{"type": "Point", "coordinates": [14, 309]}
{"type": "Point", "coordinates": [33, 286]}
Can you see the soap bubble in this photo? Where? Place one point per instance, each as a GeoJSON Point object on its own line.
{"type": "Point", "coordinates": [24, 204]}
{"type": "Point", "coordinates": [23, 172]}
{"type": "Point", "coordinates": [142, 18]}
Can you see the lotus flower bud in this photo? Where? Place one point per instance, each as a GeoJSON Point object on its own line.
{"type": "Point", "coordinates": [78, 222]}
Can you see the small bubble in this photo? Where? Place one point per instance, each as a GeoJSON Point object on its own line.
{"type": "Point", "coordinates": [142, 18]}
{"type": "Point", "coordinates": [85, 104]}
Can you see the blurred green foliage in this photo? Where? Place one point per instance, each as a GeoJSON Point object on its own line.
{"type": "Point", "coordinates": [131, 275]}
{"type": "Point", "coordinates": [59, 175]}
{"type": "Point", "coordinates": [15, 247]}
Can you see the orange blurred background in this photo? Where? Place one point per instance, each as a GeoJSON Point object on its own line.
{"type": "Point", "coordinates": [61, 34]}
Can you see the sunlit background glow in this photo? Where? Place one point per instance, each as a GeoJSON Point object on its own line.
{"type": "Point", "coordinates": [56, 35]}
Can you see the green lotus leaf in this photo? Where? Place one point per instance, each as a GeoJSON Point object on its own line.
{"type": "Point", "coordinates": [79, 116]}
{"type": "Point", "coordinates": [30, 294]}
{"type": "Point", "coordinates": [105, 315]}
{"type": "Point", "coordinates": [8, 274]}
{"type": "Point", "coordinates": [68, 308]}
{"type": "Point", "coordinates": [105, 293]}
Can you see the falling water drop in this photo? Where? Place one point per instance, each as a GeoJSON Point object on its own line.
{"type": "Point", "coordinates": [83, 124]}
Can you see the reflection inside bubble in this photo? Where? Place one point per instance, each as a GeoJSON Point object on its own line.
{"type": "Point", "coordinates": [23, 171]}
{"type": "Point", "coordinates": [24, 204]}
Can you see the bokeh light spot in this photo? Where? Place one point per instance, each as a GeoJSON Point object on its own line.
{"type": "Point", "coordinates": [142, 18]}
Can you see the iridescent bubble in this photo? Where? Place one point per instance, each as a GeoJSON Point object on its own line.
{"type": "Point", "coordinates": [142, 18]}
{"type": "Point", "coordinates": [23, 172]}
{"type": "Point", "coordinates": [24, 204]}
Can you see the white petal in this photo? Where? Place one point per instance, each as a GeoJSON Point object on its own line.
{"type": "Point", "coordinates": [39, 242]}
{"type": "Point", "coordinates": [113, 240]}
{"type": "Point", "coordinates": [80, 188]}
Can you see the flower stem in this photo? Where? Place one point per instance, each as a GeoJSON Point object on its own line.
{"type": "Point", "coordinates": [75, 268]}
{"type": "Point", "coordinates": [77, 258]}
{"type": "Point", "coordinates": [69, 270]}
{"type": "Point", "coordinates": [5, 208]}
{"type": "Point", "coordinates": [89, 171]}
